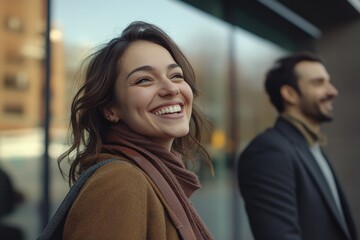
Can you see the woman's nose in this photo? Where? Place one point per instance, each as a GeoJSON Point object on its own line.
{"type": "Point", "coordinates": [168, 88]}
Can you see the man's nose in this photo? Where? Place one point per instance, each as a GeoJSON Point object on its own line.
{"type": "Point", "coordinates": [332, 90]}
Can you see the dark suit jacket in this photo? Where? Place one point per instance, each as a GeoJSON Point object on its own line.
{"type": "Point", "coordinates": [286, 195]}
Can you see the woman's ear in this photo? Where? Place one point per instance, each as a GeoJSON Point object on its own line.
{"type": "Point", "coordinates": [110, 113]}
{"type": "Point", "coordinates": [289, 94]}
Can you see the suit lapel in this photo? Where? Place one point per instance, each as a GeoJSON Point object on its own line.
{"type": "Point", "coordinates": [348, 218]}
{"type": "Point", "coordinates": [313, 168]}
{"type": "Point", "coordinates": [319, 179]}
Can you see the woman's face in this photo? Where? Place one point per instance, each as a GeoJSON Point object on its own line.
{"type": "Point", "coordinates": [152, 97]}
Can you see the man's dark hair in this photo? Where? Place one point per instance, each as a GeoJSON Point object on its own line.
{"type": "Point", "coordinates": [282, 73]}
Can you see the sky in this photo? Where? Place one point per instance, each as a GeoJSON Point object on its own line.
{"type": "Point", "coordinates": [94, 21]}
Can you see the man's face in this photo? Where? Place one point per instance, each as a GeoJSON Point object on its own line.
{"type": "Point", "coordinates": [316, 92]}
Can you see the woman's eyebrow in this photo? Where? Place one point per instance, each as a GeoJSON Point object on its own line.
{"type": "Point", "coordinates": [173, 65]}
{"type": "Point", "coordinates": [150, 68]}
{"type": "Point", "coordinates": [142, 68]}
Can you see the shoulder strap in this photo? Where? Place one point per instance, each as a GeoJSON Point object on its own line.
{"type": "Point", "coordinates": [54, 229]}
{"type": "Point", "coordinates": [177, 213]}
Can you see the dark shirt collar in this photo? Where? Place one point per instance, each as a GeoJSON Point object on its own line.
{"type": "Point", "coordinates": [311, 137]}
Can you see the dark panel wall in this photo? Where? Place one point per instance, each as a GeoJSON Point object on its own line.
{"type": "Point", "coordinates": [340, 49]}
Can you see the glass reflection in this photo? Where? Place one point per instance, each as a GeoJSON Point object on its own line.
{"type": "Point", "coordinates": [77, 27]}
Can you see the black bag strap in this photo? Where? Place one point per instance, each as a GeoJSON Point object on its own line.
{"type": "Point", "coordinates": [54, 229]}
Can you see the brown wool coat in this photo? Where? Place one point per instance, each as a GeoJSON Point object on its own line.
{"type": "Point", "coordinates": [119, 202]}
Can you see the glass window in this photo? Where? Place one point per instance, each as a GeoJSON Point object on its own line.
{"type": "Point", "coordinates": [220, 55]}
{"type": "Point", "coordinates": [13, 109]}
{"type": "Point", "coordinates": [17, 81]}
{"type": "Point", "coordinates": [14, 23]}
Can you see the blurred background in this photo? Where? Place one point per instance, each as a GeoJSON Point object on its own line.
{"type": "Point", "coordinates": [230, 44]}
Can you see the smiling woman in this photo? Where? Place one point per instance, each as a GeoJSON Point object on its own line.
{"type": "Point", "coordinates": [147, 90]}
{"type": "Point", "coordinates": [136, 106]}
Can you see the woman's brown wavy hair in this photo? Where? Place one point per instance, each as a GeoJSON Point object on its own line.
{"type": "Point", "coordinates": [89, 127]}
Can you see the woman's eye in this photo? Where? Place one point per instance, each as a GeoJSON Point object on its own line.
{"type": "Point", "coordinates": [142, 80]}
{"type": "Point", "coordinates": [177, 76]}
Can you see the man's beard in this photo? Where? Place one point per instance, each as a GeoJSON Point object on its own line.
{"type": "Point", "coordinates": [313, 111]}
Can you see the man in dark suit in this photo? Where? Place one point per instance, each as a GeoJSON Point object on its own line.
{"type": "Point", "coordinates": [288, 185]}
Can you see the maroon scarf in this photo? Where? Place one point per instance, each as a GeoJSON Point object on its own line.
{"type": "Point", "coordinates": [169, 164]}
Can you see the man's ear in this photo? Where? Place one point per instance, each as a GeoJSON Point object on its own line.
{"type": "Point", "coordinates": [110, 113]}
{"type": "Point", "coordinates": [289, 94]}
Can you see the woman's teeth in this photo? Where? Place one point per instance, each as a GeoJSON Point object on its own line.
{"type": "Point", "coordinates": [170, 109]}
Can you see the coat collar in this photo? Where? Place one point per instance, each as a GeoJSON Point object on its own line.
{"type": "Point", "coordinates": [290, 131]}
{"type": "Point", "coordinates": [312, 138]}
